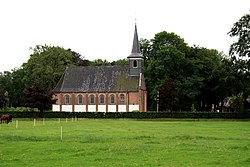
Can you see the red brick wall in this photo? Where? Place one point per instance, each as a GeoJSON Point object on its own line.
{"type": "Point", "coordinates": [131, 98]}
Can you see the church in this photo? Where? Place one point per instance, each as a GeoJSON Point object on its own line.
{"type": "Point", "coordinates": [104, 88]}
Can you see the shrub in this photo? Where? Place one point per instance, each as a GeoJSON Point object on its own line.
{"type": "Point", "coordinates": [21, 109]}
{"type": "Point", "coordinates": [133, 115]}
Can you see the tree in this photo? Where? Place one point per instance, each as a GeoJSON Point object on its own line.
{"type": "Point", "coordinates": [78, 59]}
{"type": "Point", "coordinates": [181, 73]}
{"type": "Point", "coordinates": [145, 46]}
{"type": "Point", "coordinates": [6, 87]}
{"type": "Point", "coordinates": [241, 30]}
{"type": "Point", "coordinates": [3, 98]}
{"type": "Point", "coordinates": [169, 96]}
{"type": "Point", "coordinates": [199, 81]}
{"type": "Point", "coordinates": [237, 102]}
{"type": "Point", "coordinates": [18, 80]}
{"type": "Point", "coordinates": [241, 48]}
{"type": "Point", "coordinates": [42, 72]}
{"type": "Point", "coordinates": [44, 67]}
{"type": "Point", "coordinates": [100, 62]}
{"type": "Point", "coordinates": [47, 64]}
{"type": "Point", "coordinates": [36, 96]}
{"type": "Point", "coordinates": [120, 62]}
{"type": "Point", "coordinates": [164, 62]}
{"type": "Point", "coordinates": [229, 78]}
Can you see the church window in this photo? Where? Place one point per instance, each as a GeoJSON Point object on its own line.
{"type": "Point", "coordinates": [135, 64]}
{"type": "Point", "coordinates": [122, 98]}
{"type": "Point", "coordinates": [80, 99]}
{"type": "Point", "coordinates": [92, 99]}
{"type": "Point", "coordinates": [112, 99]}
{"type": "Point", "coordinates": [67, 99]}
{"type": "Point", "coordinates": [101, 99]}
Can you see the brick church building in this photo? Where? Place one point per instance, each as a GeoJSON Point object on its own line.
{"type": "Point", "coordinates": [104, 88]}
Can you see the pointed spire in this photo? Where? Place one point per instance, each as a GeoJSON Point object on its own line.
{"type": "Point", "coordinates": [136, 60]}
{"type": "Point", "coordinates": [136, 45]}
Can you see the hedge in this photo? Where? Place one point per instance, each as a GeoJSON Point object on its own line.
{"type": "Point", "coordinates": [134, 115]}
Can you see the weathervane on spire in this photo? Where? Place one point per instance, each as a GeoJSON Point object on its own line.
{"type": "Point", "coordinates": [135, 18]}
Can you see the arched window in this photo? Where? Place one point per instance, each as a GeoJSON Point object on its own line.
{"type": "Point", "coordinates": [112, 99]}
{"type": "Point", "coordinates": [122, 98]}
{"type": "Point", "coordinates": [91, 99]}
{"type": "Point", "coordinates": [67, 99]}
{"type": "Point", "coordinates": [101, 99]}
{"type": "Point", "coordinates": [135, 63]}
{"type": "Point", "coordinates": [80, 99]}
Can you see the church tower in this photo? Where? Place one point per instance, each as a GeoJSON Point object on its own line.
{"type": "Point", "coordinates": [136, 61]}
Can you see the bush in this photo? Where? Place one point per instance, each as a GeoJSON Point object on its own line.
{"type": "Point", "coordinates": [133, 115]}
{"type": "Point", "coordinates": [21, 109]}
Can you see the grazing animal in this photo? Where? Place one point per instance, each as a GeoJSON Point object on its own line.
{"type": "Point", "coordinates": [6, 118]}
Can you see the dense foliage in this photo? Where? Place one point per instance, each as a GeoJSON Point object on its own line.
{"type": "Point", "coordinates": [183, 75]}
{"type": "Point", "coordinates": [3, 99]}
{"type": "Point", "coordinates": [241, 30]}
{"type": "Point", "coordinates": [37, 96]}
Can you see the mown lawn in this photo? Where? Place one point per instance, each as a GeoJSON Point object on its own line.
{"type": "Point", "coordinates": [100, 142]}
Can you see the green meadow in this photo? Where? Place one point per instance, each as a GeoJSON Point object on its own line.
{"type": "Point", "coordinates": [125, 142]}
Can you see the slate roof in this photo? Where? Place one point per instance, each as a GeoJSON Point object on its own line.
{"type": "Point", "coordinates": [97, 79]}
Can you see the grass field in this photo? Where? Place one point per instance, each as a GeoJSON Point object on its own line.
{"type": "Point", "coordinates": [102, 142]}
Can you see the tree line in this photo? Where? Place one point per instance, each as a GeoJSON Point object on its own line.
{"type": "Point", "coordinates": [178, 76]}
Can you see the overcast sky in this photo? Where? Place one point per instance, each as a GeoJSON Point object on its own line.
{"type": "Point", "coordinates": [103, 29]}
